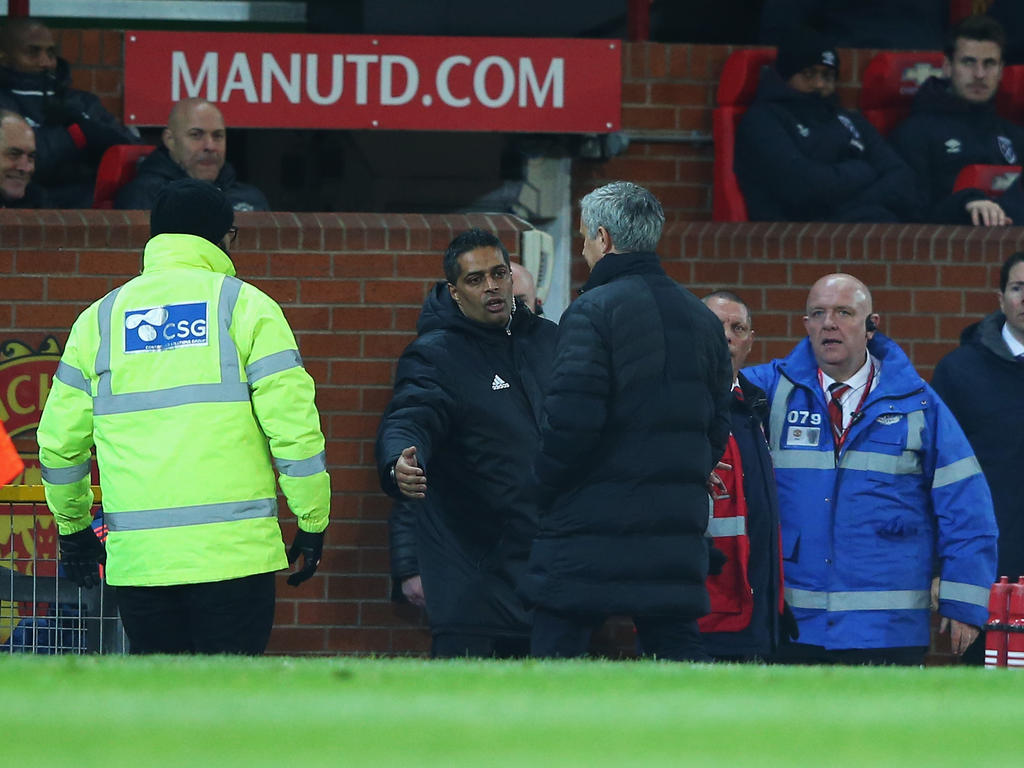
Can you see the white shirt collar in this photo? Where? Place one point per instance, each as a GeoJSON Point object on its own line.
{"type": "Point", "coordinates": [1016, 348]}
{"type": "Point", "coordinates": [857, 382]}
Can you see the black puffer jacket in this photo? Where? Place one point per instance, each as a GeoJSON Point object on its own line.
{"type": "Point", "coordinates": [469, 398]}
{"type": "Point", "coordinates": [158, 170]}
{"type": "Point", "coordinates": [636, 417]}
{"type": "Point", "coordinates": [64, 170]}
{"type": "Point", "coordinates": [983, 385]}
{"type": "Point", "coordinates": [943, 134]}
{"type": "Point", "coordinates": [800, 157]}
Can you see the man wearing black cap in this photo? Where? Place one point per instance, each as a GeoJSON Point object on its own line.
{"type": "Point", "coordinates": [802, 157]}
{"type": "Point", "coordinates": [189, 384]}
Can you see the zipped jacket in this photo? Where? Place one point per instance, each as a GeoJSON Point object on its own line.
{"type": "Point", "coordinates": [905, 500]}
{"type": "Point", "coordinates": [189, 383]}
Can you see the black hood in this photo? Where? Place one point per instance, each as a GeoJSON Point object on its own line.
{"type": "Point", "coordinates": [614, 265]}
{"type": "Point", "coordinates": [772, 88]}
{"type": "Point", "coordinates": [440, 312]}
{"type": "Point", "coordinates": [936, 96]}
{"type": "Point", "coordinates": [988, 333]}
{"type": "Point", "coordinates": [159, 163]}
{"type": "Point", "coordinates": [45, 82]}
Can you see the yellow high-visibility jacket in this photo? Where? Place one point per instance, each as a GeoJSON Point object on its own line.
{"type": "Point", "coordinates": [188, 381]}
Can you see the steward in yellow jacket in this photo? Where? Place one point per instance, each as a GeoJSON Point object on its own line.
{"type": "Point", "coordinates": [189, 384]}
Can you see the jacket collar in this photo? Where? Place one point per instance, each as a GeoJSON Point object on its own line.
{"type": "Point", "coordinates": [989, 334]}
{"type": "Point", "coordinates": [185, 251]}
{"type": "Point", "coordinates": [897, 376]}
{"type": "Point", "coordinates": [615, 265]}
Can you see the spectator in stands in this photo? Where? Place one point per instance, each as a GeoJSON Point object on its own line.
{"type": "Point", "coordinates": [17, 163]}
{"type": "Point", "coordinates": [72, 128]}
{"type": "Point", "coordinates": [954, 124]}
{"type": "Point", "coordinates": [802, 157]}
{"type": "Point", "coordinates": [1010, 13]}
{"type": "Point", "coordinates": [747, 609]}
{"type": "Point", "coordinates": [982, 382]}
{"type": "Point", "coordinates": [635, 419]}
{"type": "Point", "coordinates": [879, 491]}
{"type": "Point", "coordinates": [907, 24]}
{"type": "Point", "coordinates": [194, 145]}
{"type": "Point", "coordinates": [455, 444]}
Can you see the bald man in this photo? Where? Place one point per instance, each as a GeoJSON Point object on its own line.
{"type": "Point", "coordinates": [72, 128]}
{"type": "Point", "coordinates": [194, 145]}
{"type": "Point", "coordinates": [878, 489]}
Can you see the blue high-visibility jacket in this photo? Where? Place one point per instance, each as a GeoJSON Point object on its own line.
{"type": "Point", "coordinates": [905, 500]}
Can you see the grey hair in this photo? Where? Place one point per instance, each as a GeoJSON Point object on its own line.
{"type": "Point", "coordinates": [630, 214]}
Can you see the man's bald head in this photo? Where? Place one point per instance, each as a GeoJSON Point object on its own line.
{"type": "Point", "coordinates": [839, 323]}
{"type": "Point", "coordinates": [523, 286]}
{"type": "Point", "coordinates": [27, 45]}
{"type": "Point", "coordinates": [196, 138]}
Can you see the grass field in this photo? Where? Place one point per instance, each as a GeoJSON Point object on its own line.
{"type": "Point", "coordinates": [212, 712]}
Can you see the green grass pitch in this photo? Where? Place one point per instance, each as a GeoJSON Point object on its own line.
{"type": "Point", "coordinates": [282, 712]}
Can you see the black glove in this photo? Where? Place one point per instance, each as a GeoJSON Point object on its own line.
{"type": "Point", "coordinates": [311, 547]}
{"type": "Point", "coordinates": [787, 623]}
{"type": "Point", "coordinates": [716, 559]}
{"type": "Point", "coordinates": [81, 554]}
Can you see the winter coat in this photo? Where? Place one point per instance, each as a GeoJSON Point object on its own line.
{"type": "Point", "coordinates": [801, 157]}
{"type": "Point", "coordinates": [468, 396]}
{"type": "Point", "coordinates": [983, 385]}
{"type": "Point", "coordinates": [72, 129]}
{"type": "Point", "coordinates": [746, 596]}
{"type": "Point", "coordinates": [158, 170]}
{"type": "Point", "coordinates": [635, 419]}
{"type": "Point", "coordinates": [945, 133]}
{"type": "Point", "coordinates": [863, 535]}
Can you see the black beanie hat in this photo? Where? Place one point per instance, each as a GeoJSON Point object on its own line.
{"type": "Point", "coordinates": [802, 48]}
{"type": "Point", "coordinates": [191, 207]}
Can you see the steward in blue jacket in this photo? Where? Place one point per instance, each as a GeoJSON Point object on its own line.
{"type": "Point", "coordinates": [866, 526]}
{"type": "Point", "coordinates": [802, 157]}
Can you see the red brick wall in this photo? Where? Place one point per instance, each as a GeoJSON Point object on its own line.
{"type": "Point", "coordinates": [351, 286]}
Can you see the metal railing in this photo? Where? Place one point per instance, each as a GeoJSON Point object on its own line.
{"type": "Point", "coordinates": [41, 611]}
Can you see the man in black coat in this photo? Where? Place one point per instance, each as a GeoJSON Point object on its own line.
{"type": "Point", "coordinates": [72, 128]}
{"type": "Point", "coordinates": [747, 609]}
{"type": "Point", "coordinates": [982, 382]}
{"type": "Point", "coordinates": [954, 124]}
{"type": "Point", "coordinates": [195, 146]}
{"type": "Point", "coordinates": [456, 442]}
{"type": "Point", "coordinates": [802, 157]}
{"type": "Point", "coordinates": [635, 419]}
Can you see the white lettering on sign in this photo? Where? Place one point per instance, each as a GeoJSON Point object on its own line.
{"type": "Point", "coordinates": [495, 80]}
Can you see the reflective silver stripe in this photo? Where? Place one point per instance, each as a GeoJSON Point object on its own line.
{"type": "Point", "coordinates": [963, 593]}
{"type": "Point", "coordinates": [131, 402]}
{"type": "Point", "coordinates": [727, 526]}
{"type": "Point", "coordinates": [106, 310]}
{"type": "Point", "coordinates": [174, 517]}
{"type": "Point", "coordinates": [915, 426]}
{"type": "Point", "coordinates": [302, 467]}
{"type": "Point", "coordinates": [275, 363]}
{"type": "Point", "coordinates": [884, 600]}
{"type": "Point", "coordinates": [906, 463]}
{"type": "Point", "coordinates": [68, 374]}
{"type": "Point", "coordinates": [955, 472]}
{"type": "Point", "coordinates": [231, 388]}
{"type": "Point", "coordinates": [803, 459]}
{"type": "Point", "coordinates": [777, 417]}
{"type": "Point", "coordinates": [67, 475]}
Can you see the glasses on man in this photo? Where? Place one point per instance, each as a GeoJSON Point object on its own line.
{"type": "Point", "coordinates": [232, 234]}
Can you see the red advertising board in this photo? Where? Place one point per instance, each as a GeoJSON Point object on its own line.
{"type": "Point", "coordinates": [378, 82]}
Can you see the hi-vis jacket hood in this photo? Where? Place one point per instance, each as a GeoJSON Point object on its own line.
{"type": "Point", "coordinates": [189, 383]}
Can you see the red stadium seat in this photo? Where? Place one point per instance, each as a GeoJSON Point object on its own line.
{"type": "Point", "coordinates": [118, 166]}
{"type": "Point", "coordinates": [1010, 98]}
{"type": "Point", "coordinates": [736, 89]}
{"type": "Point", "coordinates": [890, 82]}
{"type": "Point", "coordinates": [993, 179]}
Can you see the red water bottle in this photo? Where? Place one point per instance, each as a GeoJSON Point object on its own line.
{"type": "Point", "coordinates": [998, 623]}
{"type": "Point", "coordinates": [1015, 637]}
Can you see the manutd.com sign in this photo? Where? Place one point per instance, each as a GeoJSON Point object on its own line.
{"type": "Point", "coordinates": [385, 82]}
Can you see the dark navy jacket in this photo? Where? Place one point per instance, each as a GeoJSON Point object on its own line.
{"type": "Point", "coordinates": [943, 134]}
{"type": "Point", "coordinates": [983, 385]}
{"type": "Point", "coordinates": [800, 157]}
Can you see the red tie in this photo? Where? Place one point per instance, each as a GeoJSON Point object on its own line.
{"type": "Point", "coordinates": [835, 411]}
{"type": "Point", "coordinates": [738, 392]}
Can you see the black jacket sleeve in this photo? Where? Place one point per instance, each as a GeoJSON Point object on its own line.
{"type": "Point", "coordinates": [894, 187]}
{"type": "Point", "coordinates": [402, 544]}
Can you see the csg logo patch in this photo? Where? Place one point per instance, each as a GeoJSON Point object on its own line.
{"type": "Point", "coordinates": [161, 328]}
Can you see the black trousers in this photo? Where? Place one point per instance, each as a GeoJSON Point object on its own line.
{"type": "Point", "coordinates": [801, 653]}
{"type": "Point", "coordinates": [233, 616]}
{"type": "Point", "coordinates": [566, 636]}
{"type": "Point", "coordinates": [458, 645]}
